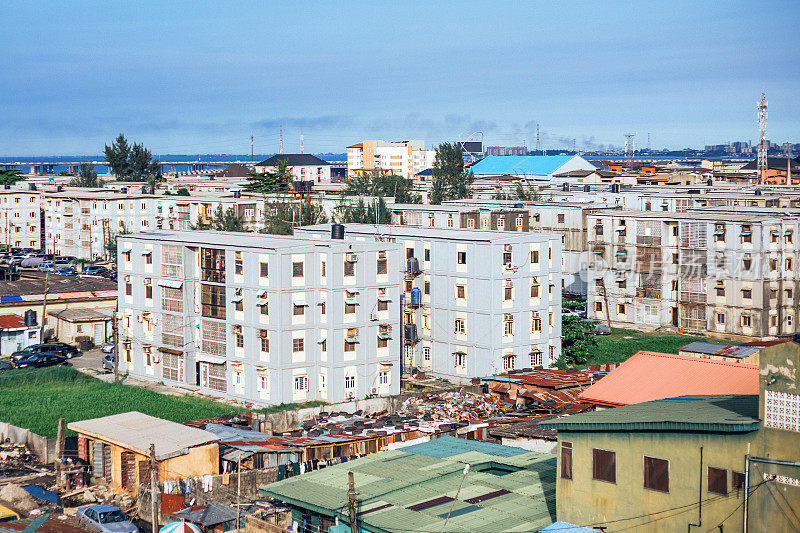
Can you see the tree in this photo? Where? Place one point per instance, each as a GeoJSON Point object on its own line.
{"type": "Point", "coordinates": [132, 162]}
{"type": "Point", "coordinates": [361, 213]}
{"type": "Point", "coordinates": [87, 177]}
{"type": "Point", "coordinates": [111, 243]}
{"type": "Point", "coordinates": [223, 220]}
{"type": "Point", "coordinates": [10, 176]}
{"type": "Point", "coordinates": [450, 181]}
{"type": "Point", "coordinates": [523, 193]}
{"type": "Point", "coordinates": [376, 183]}
{"type": "Point", "coordinates": [273, 181]}
{"type": "Point", "coordinates": [183, 191]}
{"type": "Point", "coordinates": [280, 218]}
{"type": "Point", "coordinates": [575, 341]}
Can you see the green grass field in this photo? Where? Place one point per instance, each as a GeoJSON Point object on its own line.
{"type": "Point", "coordinates": [35, 398]}
{"type": "Point", "coordinates": [623, 343]}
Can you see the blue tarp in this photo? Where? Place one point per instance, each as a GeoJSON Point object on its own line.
{"type": "Point", "coordinates": [9, 299]}
{"type": "Point", "coordinates": [38, 492]}
{"type": "Point", "coordinates": [564, 527]}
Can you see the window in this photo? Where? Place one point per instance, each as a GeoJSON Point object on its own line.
{"type": "Point", "coordinates": [534, 256]}
{"type": "Point", "coordinates": [507, 258]}
{"type": "Point", "coordinates": [213, 337]}
{"type": "Point", "coordinates": [213, 301]}
{"type": "Point", "coordinates": [747, 235]}
{"type": "Point", "coordinates": [461, 292]}
{"type": "Point", "coordinates": [172, 331]}
{"type": "Point", "coordinates": [737, 480]}
{"type": "Point", "coordinates": [264, 306]}
{"type": "Point", "coordinates": [172, 367]}
{"type": "Point", "coordinates": [773, 265]}
{"type": "Point", "coordinates": [323, 269]}
{"type": "Point", "coordinates": [301, 383]}
{"type": "Point", "coordinates": [509, 361]}
{"type": "Point", "coordinates": [656, 474]}
{"type": "Point", "coordinates": [212, 265]}
{"type": "Point", "coordinates": [298, 310]}
{"type": "Point", "coordinates": [238, 264]}
{"type": "Point", "coordinates": [427, 254]}
{"type": "Point", "coordinates": [238, 335]}
{"type": "Point", "coordinates": [560, 219]}
{"type": "Point", "coordinates": [789, 293]}
{"type": "Point", "coordinates": [566, 460]}
{"type": "Point", "coordinates": [383, 377]}
{"type": "Point", "coordinates": [263, 269]}
{"type": "Point", "coordinates": [349, 382]}
{"type": "Point", "coordinates": [720, 318]}
{"type": "Point", "coordinates": [382, 267]}
{"type": "Point", "coordinates": [598, 306]}
{"type": "Point", "coordinates": [788, 263]}
{"type": "Point", "coordinates": [536, 323]}
{"type": "Point", "coordinates": [536, 356]}
{"type": "Point", "coordinates": [426, 354]}
{"type": "Point", "coordinates": [747, 263]}
{"type": "Point", "coordinates": [460, 326]}
{"type": "Point", "coordinates": [508, 324]}
{"type": "Point", "coordinates": [720, 288]}
{"type": "Point", "coordinates": [148, 258]}
{"type": "Point", "coordinates": [746, 321]}
{"type": "Point", "coordinates": [297, 269]}
{"type": "Point", "coordinates": [604, 465]}
{"type": "Point", "coordinates": [263, 337]}
{"type": "Point", "coordinates": [460, 359]}
{"type": "Point", "coordinates": [508, 293]}
{"type": "Point", "coordinates": [449, 221]}
{"type": "Point", "coordinates": [462, 258]}
{"type": "Point", "coordinates": [598, 229]}
{"type": "Point", "coordinates": [620, 309]}
{"type": "Point", "coordinates": [349, 268]}
{"type": "Point", "coordinates": [128, 286]}
{"type": "Point", "coordinates": [747, 294]}
{"type": "Point", "coordinates": [298, 345]}
{"type": "Point", "coordinates": [717, 481]}
{"type": "Point", "coordinates": [171, 261]}
{"type": "Point", "coordinates": [349, 308]}
{"type": "Point", "coordinates": [471, 223]}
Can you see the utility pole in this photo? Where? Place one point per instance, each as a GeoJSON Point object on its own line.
{"type": "Point", "coordinates": [60, 436]}
{"type": "Point", "coordinates": [538, 146]}
{"type": "Point", "coordinates": [351, 502]}
{"type": "Point", "coordinates": [44, 306]}
{"type": "Point", "coordinates": [251, 149]}
{"type": "Point", "coordinates": [302, 148]}
{"type": "Point", "coordinates": [153, 489]}
{"type": "Point", "coordinates": [115, 337]}
{"type": "Point", "coordinates": [238, 492]}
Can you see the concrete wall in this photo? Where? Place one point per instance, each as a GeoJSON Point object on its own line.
{"type": "Point", "coordinates": [533, 445]}
{"type": "Point", "coordinates": [44, 448]}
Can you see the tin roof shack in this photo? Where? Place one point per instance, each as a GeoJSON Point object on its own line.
{"type": "Point", "coordinates": [214, 517]}
{"type": "Point", "coordinates": [652, 376]}
{"type": "Point", "coordinates": [641, 460]}
{"type": "Point", "coordinates": [547, 390]}
{"type": "Point", "coordinates": [721, 352]}
{"type": "Point", "coordinates": [118, 448]}
{"type": "Point", "coordinates": [417, 489]}
{"type": "Point", "coordinates": [15, 334]}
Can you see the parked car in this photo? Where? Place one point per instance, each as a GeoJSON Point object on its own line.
{"type": "Point", "coordinates": [5, 365]}
{"type": "Point", "coordinates": [31, 262]}
{"type": "Point", "coordinates": [46, 266]}
{"type": "Point", "coordinates": [108, 362]}
{"type": "Point", "coordinates": [59, 348]}
{"type": "Point", "coordinates": [66, 259]}
{"type": "Point", "coordinates": [58, 263]}
{"type": "Point", "coordinates": [95, 270]}
{"type": "Point", "coordinates": [600, 329]}
{"type": "Point", "coordinates": [107, 347]}
{"type": "Point", "coordinates": [41, 360]}
{"type": "Point", "coordinates": [66, 271]}
{"type": "Point", "coordinates": [105, 519]}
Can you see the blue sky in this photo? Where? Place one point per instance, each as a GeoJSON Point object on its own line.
{"type": "Point", "coordinates": [201, 77]}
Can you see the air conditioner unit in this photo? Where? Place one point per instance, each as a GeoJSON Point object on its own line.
{"type": "Point", "coordinates": [535, 314]}
{"type": "Point", "coordinates": [509, 283]}
{"type": "Point", "coordinates": [509, 266]}
{"type": "Point", "coordinates": [507, 247]}
{"type": "Point", "coordinates": [374, 390]}
{"type": "Point", "coordinates": [373, 317]}
{"type": "Point", "coordinates": [351, 258]}
{"type": "Point", "coordinates": [350, 395]}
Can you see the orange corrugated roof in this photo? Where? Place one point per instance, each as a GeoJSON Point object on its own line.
{"type": "Point", "coordinates": [11, 322]}
{"type": "Point", "coordinates": [650, 376]}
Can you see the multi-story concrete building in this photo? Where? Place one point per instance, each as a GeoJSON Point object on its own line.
{"type": "Point", "coordinates": [404, 158]}
{"type": "Point", "coordinates": [705, 271]}
{"type": "Point", "coordinates": [304, 167]}
{"type": "Point", "coordinates": [475, 303]}
{"type": "Point", "coordinates": [21, 217]}
{"type": "Point", "coordinates": [261, 319]}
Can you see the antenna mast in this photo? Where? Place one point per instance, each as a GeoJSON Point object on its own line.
{"type": "Point", "coordinates": [251, 148]}
{"type": "Point", "coordinates": [280, 151]}
{"type": "Point", "coordinates": [538, 146]}
{"type": "Point", "coordinates": [761, 163]}
{"type": "Point", "coordinates": [301, 141]}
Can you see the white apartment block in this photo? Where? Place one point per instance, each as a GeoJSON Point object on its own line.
{"type": "Point", "coordinates": [404, 158]}
{"type": "Point", "coordinates": [261, 319]}
{"type": "Point", "coordinates": [21, 218]}
{"type": "Point", "coordinates": [715, 271]}
{"type": "Point", "coordinates": [476, 303]}
{"type": "Point", "coordinates": [304, 167]}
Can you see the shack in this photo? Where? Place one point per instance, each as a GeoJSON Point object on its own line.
{"type": "Point", "coordinates": [118, 448]}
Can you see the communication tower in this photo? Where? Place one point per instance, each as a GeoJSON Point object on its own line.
{"type": "Point", "coordinates": [761, 163]}
{"type": "Point", "coordinates": [630, 149]}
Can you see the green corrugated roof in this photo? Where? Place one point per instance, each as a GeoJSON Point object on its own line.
{"type": "Point", "coordinates": [724, 414]}
{"type": "Point", "coordinates": [422, 472]}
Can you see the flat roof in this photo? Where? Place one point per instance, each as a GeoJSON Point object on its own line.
{"type": "Point", "coordinates": [56, 285]}
{"type": "Point", "coordinates": [243, 239]}
{"type": "Point", "coordinates": [698, 215]}
{"type": "Point", "coordinates": [136, 431]}
{"type": "Point", "coordinates": [416, 232]}
{"type": "Point", "coordinates": [414, 488]}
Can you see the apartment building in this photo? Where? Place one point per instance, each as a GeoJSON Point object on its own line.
{"type": "Point", "coordinates": [21, 217]}
{"type": "Point", "coordinates": [304, 167]}
{"type": "Point", "coordinates": [260, 319]}
{"type": "Point", "coordinates": [714, 271]}
{"type": "Point", "coordinates": [475, 303]}
{"type": "Point", "coordinates": [404, 158]}
{"type": "Point", "coordinates": [567, 219]}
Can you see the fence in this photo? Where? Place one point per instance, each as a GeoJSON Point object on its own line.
{"type": "Point", "coordinates": [44, 448]}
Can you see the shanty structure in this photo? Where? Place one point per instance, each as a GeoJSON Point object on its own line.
{"type": "Point", "coordinates": [650, 376]}
{"type": "Point", "coordinates": [417, 489]}
{"type": "Point", "coordinates": [721, 352]}
{"type": "Point", "coordinates": [212, 518]}
{"type": "Point", "coordinates": [81, 326]}
{"type": "Point", "coordinates": [15, 334]}
{"type": "Point", "coordinates": [548, 390]}
{"type": "Point", "coordinates": [118, 448]}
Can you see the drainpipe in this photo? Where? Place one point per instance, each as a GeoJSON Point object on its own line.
{"type": "Point", "coordinates": [746, 490]}
{"type": "Point", "coordinates": [699, 497]}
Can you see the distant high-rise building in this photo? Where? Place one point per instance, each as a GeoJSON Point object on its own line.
{"type": "Point", "coordinates": [506, 150]}
{"type": "Point", "coordinates": [404, 158]}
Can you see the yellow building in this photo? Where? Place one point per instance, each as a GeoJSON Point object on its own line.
{"type": "Point", "coordinates": [118, 448]}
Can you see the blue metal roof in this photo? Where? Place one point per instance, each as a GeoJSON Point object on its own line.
{"type": "Point", "coordinates": [536, 165]}
{"type": "Point", "coordinates": [448, 446]}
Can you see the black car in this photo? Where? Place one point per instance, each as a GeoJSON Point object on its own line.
{"type": "Point", "coordinates": [58, 348]}
{"type": "Point", "coordinates": [42, 360]}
